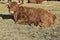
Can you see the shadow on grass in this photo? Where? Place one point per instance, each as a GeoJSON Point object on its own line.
{"type": "Point", "coordinates": [4, 16]}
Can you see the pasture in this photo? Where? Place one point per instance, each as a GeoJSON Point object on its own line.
{"type": "Point", "coordinates": [11, 31]}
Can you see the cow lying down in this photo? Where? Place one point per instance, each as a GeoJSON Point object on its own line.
{"type": "Point", "coordinates": [26, 15]}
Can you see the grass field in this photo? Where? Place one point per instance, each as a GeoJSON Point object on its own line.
{"type": "Point", "coordinates": [11, 31]}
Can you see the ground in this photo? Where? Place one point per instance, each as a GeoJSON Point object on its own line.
{"type": "Point", "coordinates": [11, 31]}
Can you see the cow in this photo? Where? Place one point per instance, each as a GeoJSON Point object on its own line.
{"type": "Point", "coordinates": [26, 15]}
{"type": "Point", "coordinates": [35, 1]}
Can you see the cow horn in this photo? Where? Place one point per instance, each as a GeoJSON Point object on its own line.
{"type": "Point", "coordinates": [18, 3]}
{"type": "Point", "coordinates": [7, 3]}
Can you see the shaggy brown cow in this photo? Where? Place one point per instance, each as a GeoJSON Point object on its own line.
{"type": "Point", "coordinates": [25, 15]}
{"type": "Point", "coordinates": [14, 9]}
{"type": "Point", "coordinates": [35, 1]}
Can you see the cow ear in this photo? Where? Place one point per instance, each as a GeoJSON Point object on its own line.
{"type": "Point", "coordinates": [18, 4]}
{"type": "Point", "coordinates": [7, 4]}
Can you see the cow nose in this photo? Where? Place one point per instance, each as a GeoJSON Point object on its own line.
{"type": "Point", "coordinates": [12, 12]}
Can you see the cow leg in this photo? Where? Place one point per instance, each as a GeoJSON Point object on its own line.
{"type": "Point", "coordinates": [15, 17]}
{"type": "Point", "coordinates": [21, 22]}
{"type": "Point", "coordinates": [35, 23]}
{"type": "Point", "coordinates": [45, 24]}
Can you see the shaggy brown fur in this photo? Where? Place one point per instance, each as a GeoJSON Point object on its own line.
{"type": "Point", "coordinates": [26, 15]}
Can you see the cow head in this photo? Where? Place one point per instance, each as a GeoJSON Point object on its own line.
{"type": "Point", "coordinates": [13, 7]}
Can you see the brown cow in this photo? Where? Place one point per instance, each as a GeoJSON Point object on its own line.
{"type": "Point", "coordinates": [26, 15]}
{"type": "Point", "coordinates": [14, 9]}
{"type": "Point", "coordinates": [35, 1]}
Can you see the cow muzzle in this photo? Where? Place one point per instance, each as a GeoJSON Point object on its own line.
{"type": "Point", "coordinates": [12, 12]}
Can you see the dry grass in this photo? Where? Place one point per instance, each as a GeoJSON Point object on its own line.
{"type": "Point", "coordinates": [11, 31]}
